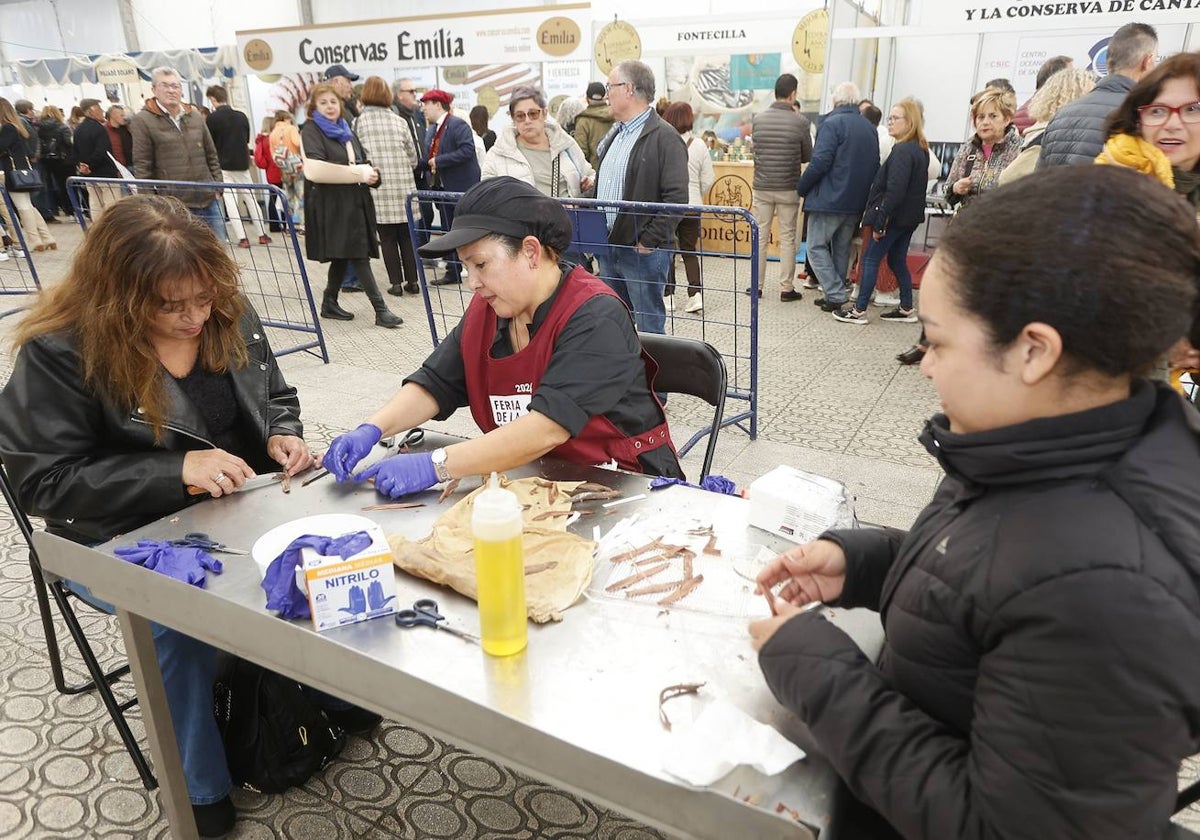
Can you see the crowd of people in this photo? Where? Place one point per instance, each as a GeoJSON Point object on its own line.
{"type": "Point", "coordinates": [1037, 676]}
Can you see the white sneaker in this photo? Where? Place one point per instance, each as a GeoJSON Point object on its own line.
{"type": "Point", "coordinates": [695, 303]}
{"type": "Point", "coordinates": [669, 303]}
{"type": "Point", "coordinates": [3, 256]}
{"type": "Point", "coordinates": [886, 299]}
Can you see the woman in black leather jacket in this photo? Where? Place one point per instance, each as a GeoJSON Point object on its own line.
{"type": "Point", "coordinates": [1039, 676]}
{"type": "Point", "coordinates": [143, 372]}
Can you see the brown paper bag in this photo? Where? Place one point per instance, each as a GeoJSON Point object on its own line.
{"type": "Point", "coordinates": [558, 564]}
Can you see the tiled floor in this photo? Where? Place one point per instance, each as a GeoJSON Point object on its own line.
{"type": "Point", "coordinates": [832, 401]}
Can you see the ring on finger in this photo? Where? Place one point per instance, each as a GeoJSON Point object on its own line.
{"type": "Point", "coordinates": [219, 477]}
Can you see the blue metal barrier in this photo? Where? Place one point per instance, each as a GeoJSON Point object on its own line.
{"type": "Point", "coordinates": [273, 275]}
{"type": "Point", "coordinates": [728, 320]}
{"type": "Point", "coordinates": [18, 274]}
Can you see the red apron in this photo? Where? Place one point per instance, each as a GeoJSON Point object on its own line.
{"type": "Point", "coordinates": [499, 390]}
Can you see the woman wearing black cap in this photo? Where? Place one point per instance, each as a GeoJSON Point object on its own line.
{"type": "Point", "coordinates": [546, 357]}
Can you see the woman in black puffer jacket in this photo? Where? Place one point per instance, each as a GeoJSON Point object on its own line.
{"type": "Point", "coordinates": [1040, 676]}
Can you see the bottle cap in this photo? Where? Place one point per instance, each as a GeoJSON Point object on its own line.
{"type": "Point", "coordinates": [495, 504]}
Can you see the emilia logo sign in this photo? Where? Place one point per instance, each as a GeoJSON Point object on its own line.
{"type": "Point", "coordinates": [558, 36]}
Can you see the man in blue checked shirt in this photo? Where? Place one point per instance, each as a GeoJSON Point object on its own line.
{"type": "Point", "coordinates": [641, 159]}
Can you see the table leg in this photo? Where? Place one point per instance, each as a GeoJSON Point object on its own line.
{"type": "Point", "coordinates": [152, 697]}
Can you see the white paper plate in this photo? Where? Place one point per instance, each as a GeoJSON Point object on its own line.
{"type": "Point", "coordinates": [271, 544]}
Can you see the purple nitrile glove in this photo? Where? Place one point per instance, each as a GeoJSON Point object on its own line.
{"type": "Point", "coordinates": [711, 483]}
{"type": "Point", "coordinates": [283, 596]}
{"type": "Point", "coordinates": [402, 474]}
{"type": "Point", "coordinates": [182, 563]}
{"type": "Point", "coordinates": [347, 450]}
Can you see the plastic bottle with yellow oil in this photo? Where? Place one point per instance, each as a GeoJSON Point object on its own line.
{"type": "Point", "coordinates": [500, 570]}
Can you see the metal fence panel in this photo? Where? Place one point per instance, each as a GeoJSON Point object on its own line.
{"type": "Point", "coordinates": [726, 263]}
{"type": "Point", "coordinates": [18, 274]}
{"type": "Point", "coordinates": [273, 274]}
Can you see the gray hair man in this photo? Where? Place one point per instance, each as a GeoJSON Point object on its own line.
{"type": "Point", "coordinates": [642, 158]}
{"type": "Point", "coordinates": [834, 188]}
{"type": "Point", "coordinates": [782, 144]}
{"type": "Point", "coordinates": [172, 143]}
{"type": "Point", "coordinates": [1076, 133]}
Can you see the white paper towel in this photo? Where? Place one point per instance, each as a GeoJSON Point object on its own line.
{"type": "Point", "coordinates": [721, 738]}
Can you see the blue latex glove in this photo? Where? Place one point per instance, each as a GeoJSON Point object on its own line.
{"type": "Point", "coordinates": [402, 474]}
{"type": "Point", "coordinates": [375, 599]}
{"type": "Point", "coordinates": [182, 563]}
{"type": "Point", "coordinates": [347, 450]}
{"type": "Point", "coordinates": [358, 601]}
{"type": "Point", "coordinates": [711, 483]}
{"type": "Point", "coordinates": [283, 596]}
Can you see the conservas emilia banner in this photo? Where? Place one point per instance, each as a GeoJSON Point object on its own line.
{"type": "Point", "coordinates": [531, 34]}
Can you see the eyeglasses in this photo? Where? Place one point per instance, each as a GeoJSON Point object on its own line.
{"type": "Point", "coordinates": [896, 119]}
{"type": "Point", "coordinates": [522, 116]}
{"type": "Point", "coordinates": [610, 85]}
{"type": "Point", "coordinates": [1157, 114]}
{"type": "Point", "coordinates": [170, 85]}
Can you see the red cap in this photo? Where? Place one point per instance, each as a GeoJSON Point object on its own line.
{"type": "Point", "coordinates": [437, 95]}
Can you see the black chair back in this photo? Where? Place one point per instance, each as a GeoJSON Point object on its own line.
{"type": "Point", "coordinates": [694, 367]}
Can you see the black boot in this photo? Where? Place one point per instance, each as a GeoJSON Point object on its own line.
{"type": "Point", "coordinates": [384, 317]}
{"type": "Point", "coordinates": [329, 304]}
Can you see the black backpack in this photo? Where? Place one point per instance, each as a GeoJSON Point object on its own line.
{"type": "Point", "coordinates": [274, 737]}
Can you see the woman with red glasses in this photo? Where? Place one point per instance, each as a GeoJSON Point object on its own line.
{"type": "Point", "coordinates": [1156, 129]}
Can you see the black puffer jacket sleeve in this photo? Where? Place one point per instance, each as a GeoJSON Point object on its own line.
{"type": "Point", "coordinates": [59, 460]}
{"type": "Point", "coordinates": [869, 555]}
{"type": "Point", "coordinates": [1069, 725]}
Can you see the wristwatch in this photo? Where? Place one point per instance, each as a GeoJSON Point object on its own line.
{"type": "Point", "coordinates": [439, 464]}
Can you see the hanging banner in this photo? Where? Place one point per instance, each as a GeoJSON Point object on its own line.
{"type": "Point", "coordinates": [531, 34]}
{"type": "Point", "coordinates": [731, 36]}
{"type": "Point", "coordinates": [948, 17]}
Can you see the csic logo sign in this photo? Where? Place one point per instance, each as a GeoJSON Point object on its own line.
{"type": "Point", "coordinates": [1099, 56]}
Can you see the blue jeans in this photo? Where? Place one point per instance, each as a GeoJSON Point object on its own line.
{"type": "Point", "coordinates": [829, 238]}
{"type": "Point", "coordinates": [893, 245]}
{"type": "Point", "coordinates": [189, 668]}
{"type": "Point", "coordinates": [639, 279]}
{"type": "Point", "coordinates": [214, 217]}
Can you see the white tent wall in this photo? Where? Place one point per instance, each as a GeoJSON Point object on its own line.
{"type": "Point", "coordinates": [181, 25]}
{"type": "Point", "coordinates": [36, 29]}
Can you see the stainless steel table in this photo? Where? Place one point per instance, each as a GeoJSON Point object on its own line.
{"type": "Point", "coordinates": [579, 708]}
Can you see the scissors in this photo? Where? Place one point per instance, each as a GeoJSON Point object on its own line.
{"type": "Point", "coordinates": [411, 438]}
{"type": "Point", "coordinates": [199, 539]}
{"type": "Point", "coordinates": [425, 612]}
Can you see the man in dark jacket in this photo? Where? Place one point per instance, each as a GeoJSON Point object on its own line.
{"type": "Point", "coordinates": [1076, 133]}
{"type": "Point", "coordinates": [449, 160]}
{"type": "Point", "coordinates": [834, 188]}
{"type": "Point", "coordinates": [782, 144]}
{"type": "Point", "coordinates": [642, 159]}
{"type": "Point", "coordinates": [116, 123]}
{"type": "Point", "coordinates": [171, 143]}
{"type": "Point", "coordinates": [230, 130]}
{"type": "Point", "coordinates": [93, 151]}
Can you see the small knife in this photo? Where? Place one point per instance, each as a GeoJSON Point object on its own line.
{"type": "Point", "coordinates": [259, 481]}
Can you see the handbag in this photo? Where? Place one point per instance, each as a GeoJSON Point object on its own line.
{"type": "Point", "coordinates": [22, 180]}
{"type": "Point", "coordinates": [287, 161]}
{"type": "Point", "coordinates": [274, 737]}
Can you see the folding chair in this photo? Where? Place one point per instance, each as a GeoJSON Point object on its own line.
{"type": "Point", "coordinates": [691, 366]}
{"type": "Point", "coordinates": [46, 588]}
